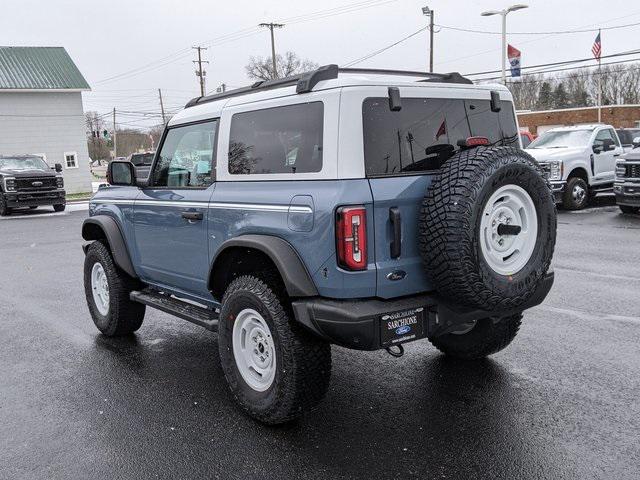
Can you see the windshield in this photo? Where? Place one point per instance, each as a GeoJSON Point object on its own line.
{"type": "Point", "coordinates": [142, 159]}
{"type": "Point", "coordinates": [23, 163]}
{"type": "Point", "coordinates": [562, 139]}
{"type": "Point", "coordinates": [627, 136]}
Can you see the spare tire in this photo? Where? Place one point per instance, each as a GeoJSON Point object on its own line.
{"type": "Point", "coordinates": [488, 228]}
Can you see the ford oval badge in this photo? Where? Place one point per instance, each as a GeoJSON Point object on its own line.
{"type": "Point", "coordinates": [396, 275]}
{"type": "Point", "coordinates": [403, 329]}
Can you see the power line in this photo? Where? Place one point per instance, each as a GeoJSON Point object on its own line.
{"type": "Point", "coordinates": [377, 52]}
{"type": "Point", "coordinates": [560, 32]}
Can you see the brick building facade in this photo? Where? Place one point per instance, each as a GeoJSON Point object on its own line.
{"type": "Point", "coordinates": [619, 116]}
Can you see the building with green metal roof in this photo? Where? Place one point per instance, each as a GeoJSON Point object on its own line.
{"type": "Point", "coordinates": [41, 110]}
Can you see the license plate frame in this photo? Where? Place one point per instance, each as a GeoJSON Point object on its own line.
{"type": "Point", "coordinates": [402, 326]}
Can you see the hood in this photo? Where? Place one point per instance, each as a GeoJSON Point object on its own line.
{"type": "Point", "coordinates": [547, 154]}
{"type": "Point", "coordinates": [632, 154]}
{"type": "Point", "coordinates": [27, 173]}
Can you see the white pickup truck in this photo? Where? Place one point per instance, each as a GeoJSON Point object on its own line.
{"type": "Point", "coordinates": [580, 161]}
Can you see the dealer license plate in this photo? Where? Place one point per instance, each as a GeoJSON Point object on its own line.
{"type": "Point", "coordinates": [403, 326]}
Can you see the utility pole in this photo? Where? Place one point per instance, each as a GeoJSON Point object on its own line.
{"type": "Point", "coordinates": [271, 26]}
{"type": "Point", "coordinates": [200, 73]}
{"type": "Point", "coordinates": [431, 14]}
{"type": "Point", "coordinates": [504, 13]}
{"type": "Point", "coordinates": [115, 148]}
{"type": "Point", "coordinates": [164, 121]}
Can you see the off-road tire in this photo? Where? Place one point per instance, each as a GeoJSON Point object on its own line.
{"type": "Point", "coordinates": [124, 316]}
{"type": "Point", "coordinates": [487, 337]}
{"type": "Point", "coordinates": [449, 228]}
{"type": "Point", "coordinates": [4, 210]}
{"type": "Point", "coordinates": [629, 209]}
{"type": "Point", "coordinates": [303, 362]}
{"type": "Point", "coordinates": [570, 203]}
{"type": "Point", "coordinates": [59, 208]}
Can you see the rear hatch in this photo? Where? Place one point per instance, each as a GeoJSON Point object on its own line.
{"type": "Point", "coordinates": [403, 151]}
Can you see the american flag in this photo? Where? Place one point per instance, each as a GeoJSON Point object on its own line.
{"type": "Point", "coordinates": [597, 47]}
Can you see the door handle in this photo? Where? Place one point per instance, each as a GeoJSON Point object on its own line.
{"type": "Point", "coordinates": [192, 216]}
{"type": "Point", "coordinates": [617, 154]}
{"type": "Point", "coordinates": [396, 226]}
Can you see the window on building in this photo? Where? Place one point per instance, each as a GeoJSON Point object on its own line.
{"type": "Point", "coordinates": [70, 159]}
{"type": "Point", "coordinates": [277, 140]}
{"type": "Point", "coordinates": [187, 157]}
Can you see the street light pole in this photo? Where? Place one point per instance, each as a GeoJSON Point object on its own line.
{"type": "Point", "coordinates": [431, 14]}
{"type": "Point", "coordinates": [504, 13]}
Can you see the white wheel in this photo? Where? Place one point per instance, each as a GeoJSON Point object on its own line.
{"type": "Point", "coordinates": [508, 230]}
{"type": "Point", "coordinates": [100, 288]}
{"type": "Point", "coordinates": [253, 350]}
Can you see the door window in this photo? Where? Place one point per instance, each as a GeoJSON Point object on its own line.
{"type": "Point", "coordinates": [606, 134]}
{"type": "Point", "coordinates": [277, 140]}
{"type": "Point", "coordinates": [187, 157]}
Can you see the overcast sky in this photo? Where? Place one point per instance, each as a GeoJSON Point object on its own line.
{"type": "Point", "coordinates": [127, 49]}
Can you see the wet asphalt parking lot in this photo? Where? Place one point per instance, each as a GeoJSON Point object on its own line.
{"type": "Point", "coordinates": [562, 402]}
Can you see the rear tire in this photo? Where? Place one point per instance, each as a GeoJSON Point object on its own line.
{"type": "Point", "coordinates": [59, 208]}
{"type": "Point", "coordinates": [629, 209]}
{"type": "Point", "coordinates": [486, 337]}
{"type": "Point", "coordinates": [4, 210]}
{"type": "Point", "coordinates": [275, 369]}
{"type": "Point", "coordinates": [107, 290]}
{"type": "Point", "coordinates": [576, 194]}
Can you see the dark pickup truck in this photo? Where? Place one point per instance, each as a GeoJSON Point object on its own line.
{"type": "Point", "coordinates": [26, 181]}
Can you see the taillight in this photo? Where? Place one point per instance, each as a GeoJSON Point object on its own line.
{"type": "Point", "coordinates": [351, 237]}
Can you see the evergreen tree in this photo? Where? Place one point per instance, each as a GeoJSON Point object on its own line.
{"type": "Point", "coordinates": [545, 97]}
{"type": "Point", "coordinates": [560, 97]}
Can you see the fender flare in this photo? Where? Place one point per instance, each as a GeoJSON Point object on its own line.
{"type": "Point", "coordinates": [294, 274]}
{"type": "Point", "coordinates": [102, 226]}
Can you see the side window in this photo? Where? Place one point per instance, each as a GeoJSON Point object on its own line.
{"type": "Point", "coordinates": [277, 140]}
{"type": "Point", "coordinates": [606, 134]}
{"type": "Point", "coordinates": [187, 157]}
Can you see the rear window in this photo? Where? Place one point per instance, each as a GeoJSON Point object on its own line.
{"type": "Point", "coordinates": [277, 140]}
{"type": "Point", "coordinates": [426, 131]}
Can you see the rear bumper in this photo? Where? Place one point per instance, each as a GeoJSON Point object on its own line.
{"type": "Point", "coordinates": [34, 199]}
{"type": "Point", "coordinates": [356, 324]}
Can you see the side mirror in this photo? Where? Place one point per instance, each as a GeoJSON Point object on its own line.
{"type": "Point", "coordinates": [608, 145]}
{"type": "Point", "coordinates": [597, 149]}
{"type": "Point", "coordinates": [121, 173]}
{"type": "Point", "coordinates": [636, 142]}
{"type": "Point", "coordinates": [58, 168]}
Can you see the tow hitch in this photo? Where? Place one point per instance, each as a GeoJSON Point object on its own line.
{"type": "Point", "coordinates": [395, 350]}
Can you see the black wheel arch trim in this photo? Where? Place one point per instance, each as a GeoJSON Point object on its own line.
{"type": "Point", "coordinates": [294, 274]}
{"type": "Point", "coordinates": [114, 237]}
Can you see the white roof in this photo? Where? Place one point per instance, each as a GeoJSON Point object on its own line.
{"type": "Point", "coordinates": [214, 108]}
{"type": "Point", "coordinates": [573, 128]}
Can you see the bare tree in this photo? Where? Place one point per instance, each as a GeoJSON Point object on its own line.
{"type": "Point", "coordinates": [260, 68]}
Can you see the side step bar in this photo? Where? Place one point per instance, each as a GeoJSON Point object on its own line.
{"type": "Point", "coordinates": [201, 316]}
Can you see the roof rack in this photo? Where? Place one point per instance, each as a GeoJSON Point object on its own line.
{"type": "Point", "coordinates": [306, 81]}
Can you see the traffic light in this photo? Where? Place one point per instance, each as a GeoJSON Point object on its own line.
{"type": "Point", "coordinates": [106, 134]}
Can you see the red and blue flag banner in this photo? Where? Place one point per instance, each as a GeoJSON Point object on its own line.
{"type": "Point", "coordinates": [514, 60]}
{"type": "Point", "coordinates": [597, 48]}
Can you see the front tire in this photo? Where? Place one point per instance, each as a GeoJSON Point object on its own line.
{"type": "Point", "coordinates": [59, 208]}
{"type": "Point", "coordinates": [107, 290]}
{"type": "Point", "coordinates": [629, 209]}
{"type": "Point", "coordinates": [275, 369]}
{"type": "Point", "coordinates": [576, 194]}
{"type": "Point", "coordinates": [480, 339]}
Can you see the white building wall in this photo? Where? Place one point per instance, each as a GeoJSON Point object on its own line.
{"type": "Point", "coordinates": [49, 123]}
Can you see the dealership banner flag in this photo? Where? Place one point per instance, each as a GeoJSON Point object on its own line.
{"type": "Point", "coordinates": [514, 59]}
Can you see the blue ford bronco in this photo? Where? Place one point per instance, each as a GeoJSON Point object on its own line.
{"type": "Point", "coordinates": [360, 208]}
